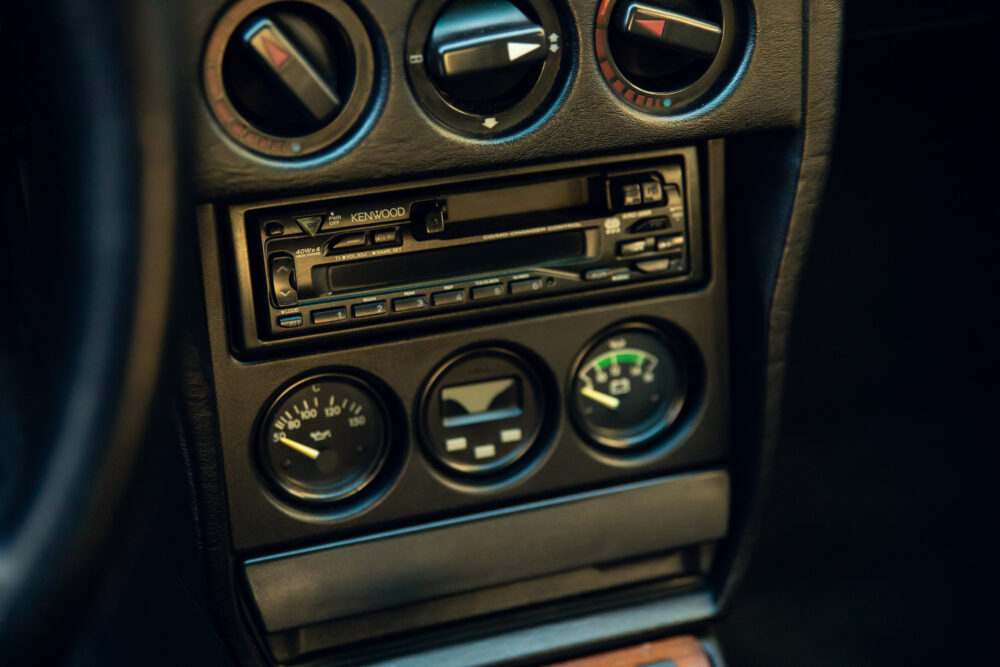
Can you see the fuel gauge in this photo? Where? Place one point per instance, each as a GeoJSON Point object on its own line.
{"type": "Point", "coordinates": [629, 387]}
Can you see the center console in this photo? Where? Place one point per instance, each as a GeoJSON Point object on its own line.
{"type": "Point", "coordinates": [519, 376]}
{"type": "Point", "coordinates": [489, 296]}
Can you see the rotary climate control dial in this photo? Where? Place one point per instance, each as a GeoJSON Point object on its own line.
{"type": "Point", "coordinates": [287, 79]}
{"type": "Point", "coordinates": [662, 56]}
{"type": "Point", "coordinates": [484, 67]}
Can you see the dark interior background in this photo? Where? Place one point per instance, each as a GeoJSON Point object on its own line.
{"type": "Point", "coordinates": [877, 529]}
{"type": "Point", "coordinates": [875, 548]}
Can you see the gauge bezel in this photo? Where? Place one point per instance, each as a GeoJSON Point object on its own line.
{"type": "Point", "coordinates": [655, 433]}
{"type": "Point", "coordinates": [294, 495]}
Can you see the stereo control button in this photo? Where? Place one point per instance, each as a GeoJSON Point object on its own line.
{"type": "Point", "coordinates": [652, 192]}
{"type": "Point", "coordinates": [602, 273]}
{"type": "Point", "coordinates": [649, 225]}
{"type": "Point", "coordinates": [329, 315]}
{"type": "Point", "coordinates": [370, 309]}
{"type": "Point", "coordinates": [283, 281]}
{"type": "Point", "coordinates": [448, 298]}
{"type": "Point", "coordinates": [434, 221]}
{"type": "Point", "coordinates": [631, 194]}
{"type": "Point", "coordinates": [409, 303]}
{"type": "Point", "coordinates": [347, 241]}
{"type": "Point", "coordinates": [525, 286]}
{"type": "Point", "coordinates": [487, 292]}
{"type": "Point", "coordinates": [653, 265]}
{"type": "Point", "coordinates": [384, 236]}
{"type": "Point", "coordinates": [632, 247]}
{"type": "Point", "coordinates": [290, 321]}
{"type": "Point", "coordinates": [664, 243]}
{"type": "Point", "coordinates": [310, 223]}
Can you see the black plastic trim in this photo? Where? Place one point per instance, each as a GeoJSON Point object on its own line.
{"type": "Point", "coordinates": [356, 576]}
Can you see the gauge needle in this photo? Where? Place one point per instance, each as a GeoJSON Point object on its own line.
{"type": "Point", "coordinates": [300, 448]}
{"type": "Point", "coordinates": [600, 397]}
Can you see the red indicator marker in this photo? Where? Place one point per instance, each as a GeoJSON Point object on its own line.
{"type": "Point", "coordinates": [274, 52]}
{"type": "Point", "coordinates": [654, 26]}
{"type": "Point", "coordinates": [602, 13]}
{"type": "Point", "coordinates": [599, 43]}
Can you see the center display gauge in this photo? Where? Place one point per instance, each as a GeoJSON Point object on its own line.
{"type": "Point", "coordinates": [628, 388]}
{"type": "Point", "coordinates": [483, 412]}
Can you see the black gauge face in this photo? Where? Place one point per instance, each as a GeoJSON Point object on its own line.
{"type": "Point", "coordinates": [324, 439]}
{"type": "Point", "coordinates": [628, 388]}
{"type": "Point", "coordinates": [482, 412]}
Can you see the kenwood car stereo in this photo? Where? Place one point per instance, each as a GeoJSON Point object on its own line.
{"type": "Point", "coordinates": [337, 263]}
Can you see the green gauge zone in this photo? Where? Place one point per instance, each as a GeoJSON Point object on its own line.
{"type": "Point", "coordinates": [628, 388]}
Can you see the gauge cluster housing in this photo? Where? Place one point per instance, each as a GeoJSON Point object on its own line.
{"type": "Point", "coordinates": [562, 460]}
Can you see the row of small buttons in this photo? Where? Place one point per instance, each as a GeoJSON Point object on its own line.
{"type": "Point", "coordinates": [355, 240]}
{"type": "Point", "coordinates": [651, 244]}
{"type": "Point", "coordinates": [636, 194]}
{"type": "Point", "coordinates": [417, 302]}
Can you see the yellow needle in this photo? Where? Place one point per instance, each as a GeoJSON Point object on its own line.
{"type": "Point", "coordinates": [300, 448]}
{"type": "Point", "coordinates": [600, 397]}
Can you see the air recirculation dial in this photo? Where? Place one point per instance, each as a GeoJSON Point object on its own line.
{"type": "Point", "coordinates": [484, 67]}
{"type": "Point", "coordinates": [289, 78]}
{"type": "Point", "coordinates": [663, 56]}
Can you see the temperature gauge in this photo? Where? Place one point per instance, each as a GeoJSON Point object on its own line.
{"type": "Point", "coordinates": [324, 438]}
{"type": "Point", "coordinates": [628, 388]}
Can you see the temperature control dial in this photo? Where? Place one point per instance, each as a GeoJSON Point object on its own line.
{"type": "Point", "coordinates": [664, 55]}
{"type": "Point", "coordinates": [323, 439]}
{"type": "Point", "coordinates": [628, 388]}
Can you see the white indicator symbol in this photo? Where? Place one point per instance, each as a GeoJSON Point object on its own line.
{"type": "Point", "coordinates": [517, 50]}
{"type": "Point", "coordinates": [510, 435]}
{"type": "Point", "coordinates": [619, 386]}
{"type": "Point", "coordinates": [455, 444]}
